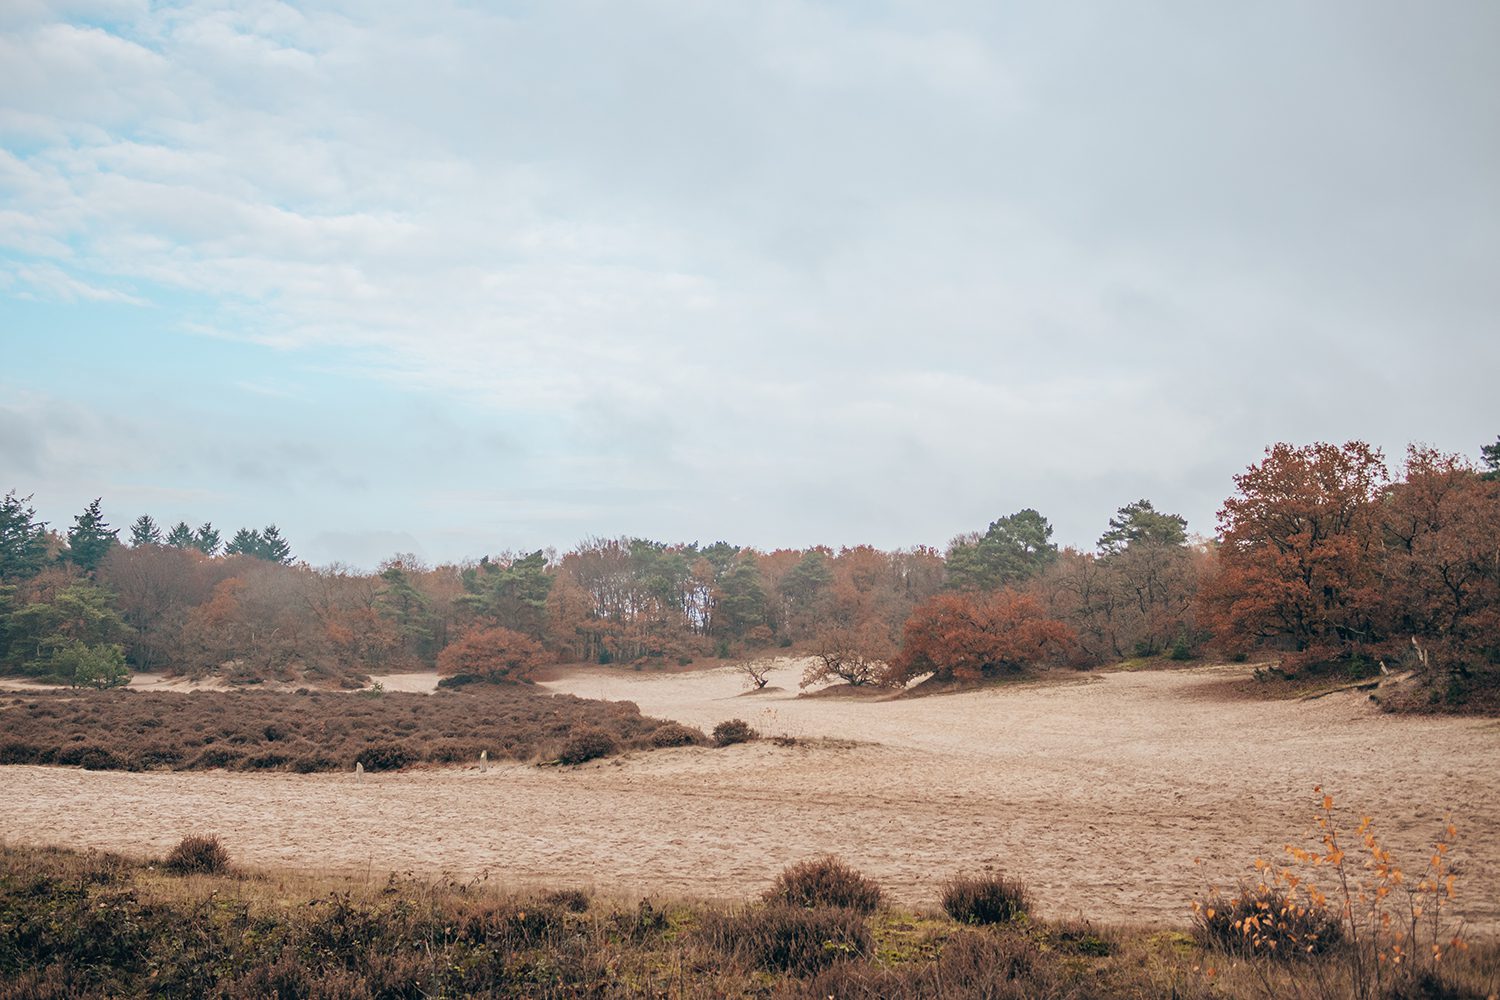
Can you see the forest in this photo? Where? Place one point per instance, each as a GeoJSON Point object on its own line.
{"type": "Point", "coordinates": [1325, 560]}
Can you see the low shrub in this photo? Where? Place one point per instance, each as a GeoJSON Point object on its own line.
{"type": "Point", "coordinates": [971, 965]}
{"type": "Point", "coordinates": [572, 900]}
{"type": "Point", "coordinates": [825, 881]}
{"type": "Point", "coordinates": [587, 744]}
{"type": "Point", "coordinates": [733, 731]}
{"type": "Point", "coordinates": [198, 856]}
{"type": "Point", "coordinates": [387, 757]}
{"type": "Point", "coordinates": [675, 734]}
{"type": "Point", "coordinates": [1267, 920]}
{"type": "Point", "coordinates": [985, 899]}
{"type": "Point", "coordinates": [790, 939]}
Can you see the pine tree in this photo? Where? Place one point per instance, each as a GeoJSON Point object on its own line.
{"type": "Point", "coordinates": [206, 539]}
{"type": "Point", "coordinates": [90, 538]}
{"type": "Point", "coordinates": [144, 532]}
{"type": "Point", "coordinates": [274, 547]}
{"type": "Point", "coordinates": [1490, 455]}
{"type": "Point", "coordinates": [23, 539]}
{"type": "Point", "coordinates": [181, 536]}
{"type": "Point", "coordinates": [246, 542]}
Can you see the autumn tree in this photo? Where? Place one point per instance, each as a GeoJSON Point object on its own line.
{"type": "Point", "coordinates": [1297, 564]}
{"type": "Point", "coordinates": [497, 655]}
{"type": "Point", "coordinates": [969, 636]}
{"type": "Point", "coordinates": [1441, 562]}
{"type": "Point", "coordinates": [855, 654]}
{"type": "Point", "coordinates": [90, 538]}
{"type": "Point", "coordinates": [1013, 549]}
{"type": "Point", "coordinates": [155, 588]}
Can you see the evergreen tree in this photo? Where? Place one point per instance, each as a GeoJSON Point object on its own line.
{"type": "Point", "coordinates": [144, 532]}
{"type": "Point", "coordinates": [274, 547]}
{"type": "Point", "coordinates": [1014, 549]}
{"type": "Point", "coordinates": [90, 538]}
{"type": "Point", "coordinates": [23, 539]}
{"type": "Point", "coordinates": [206, 539]}
{"type": "Point", "coordinates": [1490, 455]}
{"type": "Point", "coordinates": [1141, 523]}
{"type": "Point", "coordinates": [246, 542]}
{"type": "Point", "coordinates": [511, 593]}
{"type": "Point", "coordinates": [181, 536]}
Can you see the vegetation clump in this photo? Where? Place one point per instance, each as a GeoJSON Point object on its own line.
{"type": "Point", "coordinates": [586, 745]}
{"type": "Point", "coordinates": [825, 882]}
{"type": "Point", "coordinates": [198, 855]}
{"type": "Point", "coordinates": [675, 734]}
{"type": "Point", "coordinates": [319, 731]}
{"type": "Point", "coordinates": [732, 731]}
{"type": "Point", "coordinates": [985, 899]}
{"type": "Point", "coordinates": [792, 939]}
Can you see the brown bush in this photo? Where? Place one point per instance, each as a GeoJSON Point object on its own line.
{"type": "Point", "coordinates": [733, 731]}
{"type": "Point", "coordinates": [985, 899]}
{"type": "Point", "coordinates": [198, 856]}
{"type": "Point", "coordinates": [675, 734]}
{"type": "Point", "coordinates": [587, 744]}
{"type": "Point", "coordinates": [790, 939]}
{"type": "Point", "coordinates": [825, 881]}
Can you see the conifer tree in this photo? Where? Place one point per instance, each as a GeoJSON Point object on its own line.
{"type": "Point", "coordinates": [23, 539]}
{"type": "Point", "coordinates": [206, 539]}
{"type": "Point", "coordinates": [144, 532]}
{"type": "Point", "coordinates": [90, 538]}
{"type": "Point", "coordinates": [275, 548]}
{"type": "Point", "coordinates": [246, 542]}
{"type": "Point", "coordinates": [181, 536]}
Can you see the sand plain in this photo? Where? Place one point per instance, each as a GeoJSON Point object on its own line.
{"type": "Point", "coordinates": [1101, 790]}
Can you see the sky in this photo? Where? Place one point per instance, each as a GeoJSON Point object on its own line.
{"type": "Point", "coordinates": [457, 278]}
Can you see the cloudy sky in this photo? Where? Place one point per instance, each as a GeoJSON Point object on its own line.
{"type": "Point", "coordinates": [459, 277]}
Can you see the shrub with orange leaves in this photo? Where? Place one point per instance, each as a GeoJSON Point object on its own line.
{"type": "Point", "coordinates": [492, 654]}
{"type": "Point", "coordinates": [969, 636]}
{"type": "Point", "coordinates": [1396, 927]}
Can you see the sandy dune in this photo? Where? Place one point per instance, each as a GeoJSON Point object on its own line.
{"type": "Point", "coordinates": [1100, 792]}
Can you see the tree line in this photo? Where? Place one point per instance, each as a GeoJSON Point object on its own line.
{"type": "Point", "coordinates": [1321, 556]}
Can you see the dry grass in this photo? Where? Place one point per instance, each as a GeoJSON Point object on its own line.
{"type": "Point", "coordinates": [98, 925]}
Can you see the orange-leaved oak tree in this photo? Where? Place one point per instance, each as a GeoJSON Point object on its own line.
{"type": "Point", "coordinates": [1298, 564]}
{"type": "Point", "coordinates": [968, 636]}
{"type": "Point", "coordinates": [492, 654]}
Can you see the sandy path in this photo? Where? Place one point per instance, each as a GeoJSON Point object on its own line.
{"type": "Point", "coordinates": [1099, 793]}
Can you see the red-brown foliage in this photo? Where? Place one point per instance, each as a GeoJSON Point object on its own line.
{"type": "Point", "coordinates": [1298, 564]}
{"type": "Point", "coordinates": [492, 654]}
{"type": "Point", "coordinates": [973, 635]}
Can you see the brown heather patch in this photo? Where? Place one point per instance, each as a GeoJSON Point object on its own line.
{"type": "Point", "coordinates": [279, 731]}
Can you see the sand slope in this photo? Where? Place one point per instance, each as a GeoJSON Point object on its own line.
{"type": "Point", "coordinates": [1101, 793]}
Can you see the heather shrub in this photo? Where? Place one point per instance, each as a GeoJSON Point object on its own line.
{"type": "Point", "coordinates": [587, 744]}
{"type": "Point", "coordinates": [790, 939]}
{"type": "Point", "coordinates": [572, 900]}
{"type": "Point", "coordinates": [387, 757]}
{"type": "Point", "coordinates": [825, 881]}
{"type": "Point", "coordinates": [198, 856]}
{"type": "Point", "coordinates": [675, 734]}
{"type": "Point", "coordinates": [733, 731]}
{"type": "Point", "coordinates": [985, 899]}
